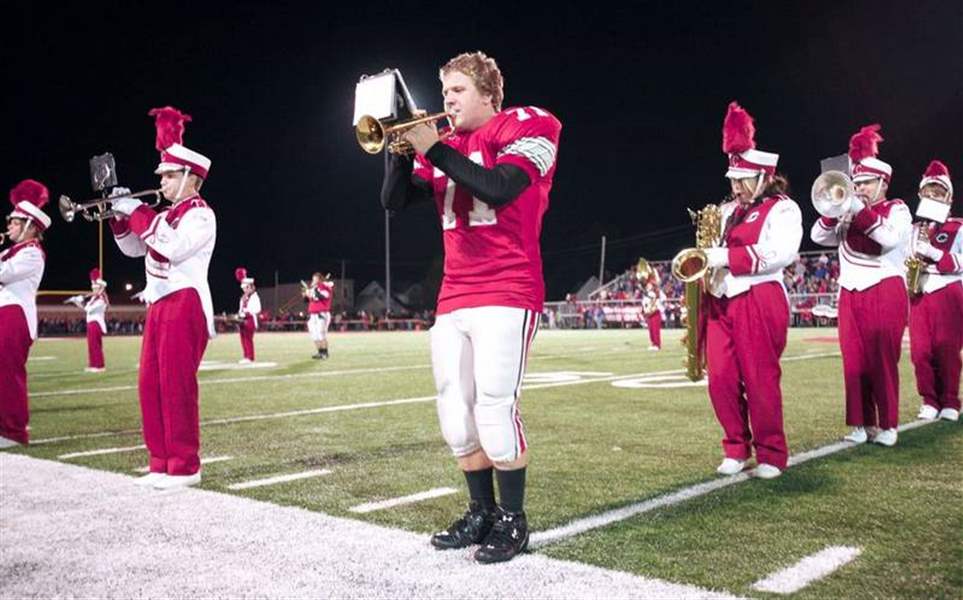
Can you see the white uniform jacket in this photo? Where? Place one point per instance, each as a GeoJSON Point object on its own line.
{"type": "Point", "coordinates": [21, 269]}
{"type": "Point", "coordinates": [873, 243]}
{"type": "Point", "coordinates": [177, 245]}
{"type": "Point", "coordinates": [762, 241]}
{"type": "Point", "coordinates": [96, 309]}
{"type": "Point", "coordinates": [250, 305]}
{"type": "Point", "coordinates": [947, 237]}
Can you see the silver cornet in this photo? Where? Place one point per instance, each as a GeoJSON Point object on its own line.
{"type": "Point", "coordinates": [833, 195]}
{"type": "Point", "coordinates": [97, 210]}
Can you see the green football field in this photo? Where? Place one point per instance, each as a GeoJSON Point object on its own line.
{"type": "Point", "coordinates": [610, 425]}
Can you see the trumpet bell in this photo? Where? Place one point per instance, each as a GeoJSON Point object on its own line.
{"type": "Point", "coordinates": [68, 209]}
{"type": "Point", "coordinates": [690, 265]}
{"type": "Point", "coordinates": [833, 194]}
{"type": "Point", "coordinates": [371, 134]}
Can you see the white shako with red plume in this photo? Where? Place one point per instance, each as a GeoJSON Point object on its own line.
{"type": "Point", "coordinates": [28, 199]}
{"type": "Point", "coordinates": [96, 278]}
{"type": "Point", "coordinates": [169, 123]}
{"type": "Point", "coordinates": [240, 274]}
{"type": "Point", "coordinates": [937, 173]}
{"type": "Point", "coordinates": [738, 141]}
{"type": "Point", "coordinates": [863, 148]}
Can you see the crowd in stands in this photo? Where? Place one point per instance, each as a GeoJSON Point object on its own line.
{"type": "Point", "coordinates": [810, 281]}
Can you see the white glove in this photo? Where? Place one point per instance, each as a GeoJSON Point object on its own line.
{"type": "Point", "coordinates": [923, 248]}
{"type": "Point", "coordinates": [718, 257]}
{"type": "Point", "coordinates": [125, 206]}
{"type": "Point", "coordinates": [78, 300]}
{"type": "Point", "coordinates": [119, 191]}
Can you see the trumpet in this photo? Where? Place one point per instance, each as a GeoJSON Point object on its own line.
{"type": "Point", "coordinates": [833, 195]}
{"type": "Point", "coordinates": [96, 210]}
{"type": "Point", "coordinates": [373, 135]}
{"type": "Point", "coordinates": [3, 239]}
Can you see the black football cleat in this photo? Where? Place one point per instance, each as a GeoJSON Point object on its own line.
{"type": "Point", "coordinates": [473, 527]}
{"type": "Point", "coordinates": [317, 356]}
{"type": "Point", "coordinates": [508, 537]}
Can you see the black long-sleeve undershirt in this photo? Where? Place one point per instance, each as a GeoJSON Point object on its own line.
{"type": "Point", "coordinates": [495, 187]}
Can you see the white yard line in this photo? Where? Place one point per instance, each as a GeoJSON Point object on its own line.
{"type": "Point", "coordinates": [92, 534]}
{"type": "Point", "coordinates": [204, 461]}
{"type": "Point", "coordinates": [101, 451]}
{"type": "Point", "coordinates": [812, 568]}
{"type": "Point", "coordinates": [245, 485]}
{"type": "Point", "coordinates": [578, 526]}
{"type": "Point", "coordinates": [36, 358]}
{"type": "Point", "coordinates": [375, 404]}
{"type": "Point", "coordinates": [368, 507]}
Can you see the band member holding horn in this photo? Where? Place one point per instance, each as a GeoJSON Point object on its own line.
{"type": "Point", "coordinates": [936, 310]}
{"type": "Point", "coordinates": [177, 244]}
{"type": "Point", "coordinates": [95, 306]}
{"type": "Point", "coordinates": [747, 307]}
{"type": "Point", "coordinates": [21, 269]}
{"type": "Point", "coordinates": [490, 181]}
{"type": "Point", "coordinates": [319, 296]}
{"type": "Point", "coordinates": [872, 235]}
{"type": "Point", "coordinates": [247, 312]}
{"type": "Point", "coordinates": [653, 303]}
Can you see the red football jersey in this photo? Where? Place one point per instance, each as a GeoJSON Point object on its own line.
{"type": "Point", "coordinates": [320, 297]}
{"type": "Point", "coordinates": [492, 254]}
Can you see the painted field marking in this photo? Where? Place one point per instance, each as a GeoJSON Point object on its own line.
{"type": "Point", "coordinates": [375, 404]}
{"type": "Point", "coordinates": [578, 526]}
{"type": "Point", "coordinates": [368, 507]}
{"type": "Point", "coordinates": [219, 366]}
{"type": "Point", "coordinates": [35, 358]}
{"type": "Point", "coordinates": [204, 461]}
{"type": "Point", "coordinates": [244, 485]}
{"type": "Point", "coordinates": [812, 568]}
{"type": "Point", "coordinates": [660, 381]}
{"type": "Point", "coordinates": [311, 375]}
{"type": "Point", "coordinates": [101, 451]}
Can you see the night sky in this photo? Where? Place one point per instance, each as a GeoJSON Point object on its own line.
{"type": "Point", "coordinates": [641, 93]}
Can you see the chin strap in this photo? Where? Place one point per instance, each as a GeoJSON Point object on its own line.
{"type": "Point", "coordinates": [180, 188]}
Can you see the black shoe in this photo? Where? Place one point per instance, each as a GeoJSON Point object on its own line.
{"type": "Point", "coordinates": [324, 355]}
{"type": "Point", "coordinates": [508, 537]}
{"type": "Point", "coordinates": [317, 356]}
{"type": "Point", "coordinates": [472, 528]}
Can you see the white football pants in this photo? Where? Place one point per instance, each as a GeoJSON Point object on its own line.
{"type": "Point", "coordinates": [478, 358]}
{"type": "Point", "coordinates": [318, 326]}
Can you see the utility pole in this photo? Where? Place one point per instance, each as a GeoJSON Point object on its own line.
{"type": "Point", "coordinates": [602, 264]}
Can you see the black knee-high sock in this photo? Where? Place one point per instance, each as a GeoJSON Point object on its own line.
{"type": "Point", "coordinates": [481, 487]}
{"type": "Point", "coordinates": [511, 489]}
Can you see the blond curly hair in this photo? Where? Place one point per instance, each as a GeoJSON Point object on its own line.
{"type": "Point", "coordinates": [484, 72]}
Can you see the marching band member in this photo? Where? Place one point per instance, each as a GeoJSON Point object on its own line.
{"type": "Point", "coordinates": [936, 315]}
{"type": "Point", "coordinates": [873, 304]}
{"type": "Point", "coordinates": [21, 269]}
{"type": "Point", "coordinates": [177, 244]}
{"type": "Point", "coordinates": [319, 296]}
{"type": "Point", "coordinates": [95, 306]}
{"type": "Point", "coordinates": [747, 307]}
{"type": "Point", "coordinates": [490, 181]}
{"type": "Point", "coordinates": [247, 312]}
{"type": "Point", "coordinates": [653, 303]}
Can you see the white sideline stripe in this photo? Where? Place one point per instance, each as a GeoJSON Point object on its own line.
{"type": "Point", "coordinates": [277, 479]}
{"type": "Point", "coordinates": [812, 568]}
{"type": "Point", "coordinates": [204, 461]}
{"type": "Point", "coordinates": [311, 375]}
{"type": "Point", "coordinates": [578, 526]}
{"type": "Point", "coordinates": [101, 451]}
{"type": "Point", "coordinates": [33, 358]}
{"type": "Point", "coordinates": [410, 499]}
{"type": "Point", "coordinates": [377, 404]}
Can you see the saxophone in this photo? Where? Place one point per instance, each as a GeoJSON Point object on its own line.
{"type": "Point", "coordinates": [914, 264]}
{"type": "Point", "coordinates": [691, 266]}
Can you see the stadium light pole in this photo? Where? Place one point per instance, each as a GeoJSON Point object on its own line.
{"type": "Point", "coordinates": [387, 263]}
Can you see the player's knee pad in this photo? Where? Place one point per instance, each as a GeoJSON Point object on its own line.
{"type": "Point", "coordinates": [500, 428]}
{"type": "Point", "coordinates": [457, 422]}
